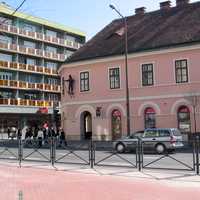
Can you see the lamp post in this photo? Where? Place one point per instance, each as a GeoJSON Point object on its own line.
{"type": "Point", "coordinates": [126, 67]}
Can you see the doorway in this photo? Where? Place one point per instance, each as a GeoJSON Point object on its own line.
{"type": "Point", "coordinates": [86, 125]}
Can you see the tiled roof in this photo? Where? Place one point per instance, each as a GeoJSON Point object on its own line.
{"type": "Point", "coordinates": [153, 30]}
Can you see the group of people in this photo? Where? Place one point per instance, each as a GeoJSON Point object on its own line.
{"type": "Point", "coordinates": [42, 134]}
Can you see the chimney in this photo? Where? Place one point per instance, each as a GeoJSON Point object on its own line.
{"type": "Point", "coordinates": [166, 5]}
{"type": "Point", "coordinates": [182, 2]}
{"type": "Point", "coordinates": [140, 11]}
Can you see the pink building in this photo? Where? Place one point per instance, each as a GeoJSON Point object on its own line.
{"type": "Point", "coordinates": [163, 70]}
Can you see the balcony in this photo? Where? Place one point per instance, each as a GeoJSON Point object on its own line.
{"type": "Point", "coordinates": [33, 52]}
{"type": "Point", "coordinates": [26, 102]}
{"type": "Point", "coordinates": [39, 36]}
{"type": "Point", "coordinates": [14, 84]}
{"type": "Point", "coordinates": [28, 68]}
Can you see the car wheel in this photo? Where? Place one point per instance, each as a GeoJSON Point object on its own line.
{"type": "Point", "coordinates": [160, 148]}
{"type": "Point", "coordinates": [120, 148]}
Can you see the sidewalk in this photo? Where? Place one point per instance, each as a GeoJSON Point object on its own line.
{"type": "Point", "coordinates": [79, 183]}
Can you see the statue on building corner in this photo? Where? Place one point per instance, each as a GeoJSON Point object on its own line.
{"type": "Point", "coordinates": [70, 81]}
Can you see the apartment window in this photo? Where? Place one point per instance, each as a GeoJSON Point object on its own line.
{"type": "Point", "coordinates": [51, 65]}
{"type": "Point", "coordinates": [52, 81]}
{"type": "Point", "coordinates": [114, 77]}
{"type": "Point", "coordinates": [51, 97]}
{"type": "Point", "coordinates": [30, 61]}
{"type": "Point", "coordinates": [29, 27]}
{"type": "Point", "coordinates": [51, 49]}
{"type": "Point", "coordinates": [6, 95]}
{"type": "Point", "coordinates": [5, 20]}
{"type": "Point", "coordinates": [29, 44]}
{"type": "Point", "coordinates": [181, 71]}
{"type": "Point", "coordinates": [5, 39]}
{"type": "Point", "coordinates": [30, 96]}
{"type": "Point", "coordinates": [70, 38]}
{"type": "Point", "coordinates": [147, 74]}
{"type": "Point", "coordinates": [5, 57]}
{"type": "Point", "coordinates": [84, 81]}
{"type": "Point", "coordinates": [51, 33]}
{"type": "Point", "coordinates": [6, 76]}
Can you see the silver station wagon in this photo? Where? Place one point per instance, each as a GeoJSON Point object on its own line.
{"type": "Point", "coordinates": [160, 140]}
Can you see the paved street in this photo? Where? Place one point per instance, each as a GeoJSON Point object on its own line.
{"type": "Point", "coordinates": [45, 183]}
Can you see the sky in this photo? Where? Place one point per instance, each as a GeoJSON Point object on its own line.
{"type": "Point", "coordinates": [89, 16]}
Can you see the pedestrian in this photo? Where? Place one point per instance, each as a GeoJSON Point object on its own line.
{"type": "Point", "coordinates": [45, 135]}
{"type": "Point", "coordinates": [62, 138]}
{"type": "Point", "coordinates": [8, 131]}
{"type": "Point", "coordinates": [35, 132]}
{"type": "Point", "coordinates": [40, 134]}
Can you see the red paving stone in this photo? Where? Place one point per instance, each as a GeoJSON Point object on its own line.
{"type": "Point", "coordinates": [45, 184]}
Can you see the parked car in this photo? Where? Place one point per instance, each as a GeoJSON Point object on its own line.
{"type": "Point", "coordinates": [160, 140]}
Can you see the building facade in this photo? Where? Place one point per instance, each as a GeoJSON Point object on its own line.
{"type": "Point", "coordinates": [31, 51]}
{"type": "Point", "coordinates": [163, 74]}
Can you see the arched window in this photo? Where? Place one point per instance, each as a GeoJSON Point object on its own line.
{"type": "Point", "coordinates": [116, 124]}
{"type": "Point", "coordinates": [184, 123]}
{"type": "Point", "coordinates": [149, 118]}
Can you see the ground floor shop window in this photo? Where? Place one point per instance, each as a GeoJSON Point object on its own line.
{"type": "Point", "coordinates": [184, 123]}
{"type": "Point", "coordinates": [116, 124]}
{"type": "Point", "coordinates": [149, 118]}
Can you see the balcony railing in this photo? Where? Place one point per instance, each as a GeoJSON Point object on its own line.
{"type": "Point", "coordinates": [39, 36]}
{"type": "Point", "coordinates": [27, 68]}
{"type": "Point", "coordinates": [33, 52]}
{"type": "Point", "coordinates": [33, 86]}
{"type": "Point", "coordinates": [26, 102]}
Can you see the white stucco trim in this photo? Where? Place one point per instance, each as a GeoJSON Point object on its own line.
{"type": "Point", "coordinates": [84, 108]}
{"type": "Point", "coordinates": [115, 106]}
{"type": "Point", "coordinates": [132, 55]}
{"type": "Point", "coordinates": [146, 105]}
{"type": "Point", "coordinates": [178, 103]}
{"type": "Point", "coordinates": [181, 95]}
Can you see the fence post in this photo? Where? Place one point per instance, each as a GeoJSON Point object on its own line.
{"type": "Point", "coordinates": [197, 154]}
{"type": "Point", "coordinates": [53, 151]}
{"type": "Point", "coordinates": [20, 151]}
{"type": "Point", "coordinates": [139, 154]}
{"type": "Point", "coordinates": [91, 153]}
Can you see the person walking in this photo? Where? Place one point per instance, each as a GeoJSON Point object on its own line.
{"type": "Point", "coordinates": [62, 138]}
{"type": "Point", "coordinates": [40, 134]}
{"type": "Point", "coordinates": [8, 131]}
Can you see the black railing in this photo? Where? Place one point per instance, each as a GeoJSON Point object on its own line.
{"type": "Point", "coordinates": [102, 153]}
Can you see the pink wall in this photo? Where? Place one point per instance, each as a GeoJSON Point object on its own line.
{"type": "Point", "coordinates": [165, 95]}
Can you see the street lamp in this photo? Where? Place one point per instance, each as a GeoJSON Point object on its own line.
{"type": "Point", "coordinates": [126, 67]}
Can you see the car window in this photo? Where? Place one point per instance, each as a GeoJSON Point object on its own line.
{"type": "Point", "coordinates": [164, 133]}
{"type": "Point", "coordinates": [151, 133]}
{"type": "Point", "coordinates": [176, 132]}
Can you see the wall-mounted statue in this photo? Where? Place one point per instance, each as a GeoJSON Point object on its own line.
{"type": "Point", "coordinates": [70, 81]}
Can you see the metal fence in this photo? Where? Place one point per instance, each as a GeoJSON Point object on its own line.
{"type": "Point", "coordinates": [101, 153]}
